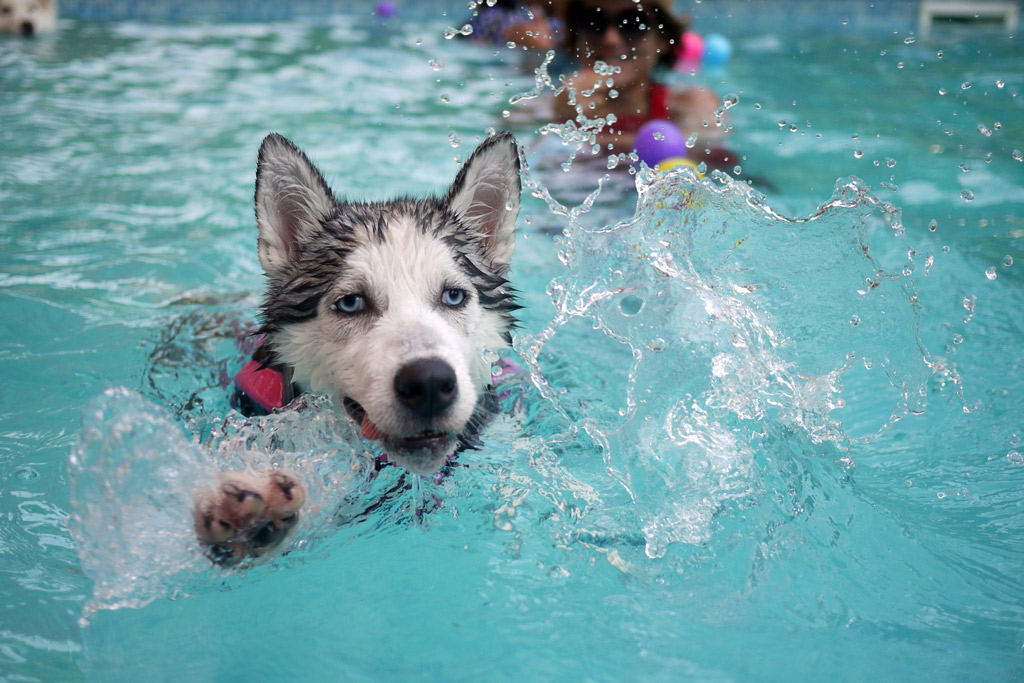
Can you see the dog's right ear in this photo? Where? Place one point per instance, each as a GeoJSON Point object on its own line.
{"type": "Point", "coordinates": [292, 202]}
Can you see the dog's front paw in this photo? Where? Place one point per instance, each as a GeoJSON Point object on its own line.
{"type": "Point", "coordinates": [247, 514]}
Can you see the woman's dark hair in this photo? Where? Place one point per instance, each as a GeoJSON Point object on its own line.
{"type": "Point", "coordinates": [661, 19]}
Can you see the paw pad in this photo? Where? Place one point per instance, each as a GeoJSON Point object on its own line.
{"type": "Point", "coordinates": [247, 515]}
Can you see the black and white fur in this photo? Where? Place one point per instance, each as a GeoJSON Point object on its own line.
{"type": "Point", "coordinates": [392, 308]}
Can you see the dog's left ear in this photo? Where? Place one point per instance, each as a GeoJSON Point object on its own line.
{"type": "Point", "coordinates": [292, 201]}
{"type": "Point", "coordinates": [485, 196]}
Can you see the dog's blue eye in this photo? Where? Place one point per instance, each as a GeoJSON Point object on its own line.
{"type": "Point", "coordinates": [350, 303]}
{"type": "Point", "coordinates": [453, 297]}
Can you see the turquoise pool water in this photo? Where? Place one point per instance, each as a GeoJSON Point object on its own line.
{"type": "Point", "coordinates": [769, 433]}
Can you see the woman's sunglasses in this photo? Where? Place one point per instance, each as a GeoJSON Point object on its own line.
{"type": "Point", "coordinates": [631, 23]}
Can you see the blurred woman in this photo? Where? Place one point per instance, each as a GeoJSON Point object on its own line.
{"type": "Point", "coordinates": [619, 46]}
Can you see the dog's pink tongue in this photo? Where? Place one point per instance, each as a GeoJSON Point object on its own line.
{"type": "Point", "coordinates": [370, 430]}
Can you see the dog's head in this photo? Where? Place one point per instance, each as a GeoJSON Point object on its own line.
{"type": "Point", "coordinates": [27, 17]}
{"type": "Point", "coordinates": [391, 307]}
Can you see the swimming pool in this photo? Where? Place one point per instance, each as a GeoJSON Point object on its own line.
{"type": "Point", "coordinates": [700, 484]}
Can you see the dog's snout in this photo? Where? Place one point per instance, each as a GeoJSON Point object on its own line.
{"type": "Point", "coordinates": [28, 28]}
{"type": "Point", "coordinates": [427, 386]}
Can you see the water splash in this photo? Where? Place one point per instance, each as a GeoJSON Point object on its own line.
{"type": "Point", "coordinates": [735, 322]}
{"type": "Point", "coordinates": [134, 474]}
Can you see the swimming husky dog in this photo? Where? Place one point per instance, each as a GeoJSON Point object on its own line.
{"type": "Point", "coordinates": [27, 17]}
{"type": "Point", "coordinates": [388, 307]}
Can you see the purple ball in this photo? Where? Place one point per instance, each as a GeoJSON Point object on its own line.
{"type": "Point", "coordinates": [657, 140]}
{"type": "Point", "coordinates": [385, 9]}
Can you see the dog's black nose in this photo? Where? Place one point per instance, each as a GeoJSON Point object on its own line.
{"type": "Point", "coordinates": [28, 28]}
{"type": "Point", "coordinates": [427, 386]}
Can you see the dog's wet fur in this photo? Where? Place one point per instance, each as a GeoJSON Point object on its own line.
{"type": "Point", "coordinates": [391, 308]}
{"type": "Point", "coordinates": [27, 17]}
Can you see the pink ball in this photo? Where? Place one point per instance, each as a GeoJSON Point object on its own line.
{"type": "Point", "coordinates": [691, 48]}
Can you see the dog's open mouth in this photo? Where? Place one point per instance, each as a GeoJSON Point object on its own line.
{"type": "Point", "coordinates": [423, 452]}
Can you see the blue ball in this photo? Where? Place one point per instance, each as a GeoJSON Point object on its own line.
{"type": "Point", "coordinates": [717, 50]}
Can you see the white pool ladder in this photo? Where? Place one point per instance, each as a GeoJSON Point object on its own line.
{"type": "Point", "coordinates": [968, 11]}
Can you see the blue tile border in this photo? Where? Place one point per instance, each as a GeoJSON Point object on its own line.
{"type": "Point", "coordinates": [731, 17]}
{"type": "Point", "coordinates": [786, 16]}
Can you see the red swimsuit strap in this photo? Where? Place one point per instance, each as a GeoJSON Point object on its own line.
{"type": "Point", "coordinates": [659, 102]}
{"type": "Point", "coordinates": [657, 108]}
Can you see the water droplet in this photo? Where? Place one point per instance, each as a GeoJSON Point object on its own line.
{"type": "Point", "coordinates": [990, 272]}
{"type": "Point", "coordinates": [26, 473]}
{"type": "Point", "coordinates": [909, 40]}
{"type": "Point", "coordinates": [506, 113]}
{"type": "Point", "coordinates": [966, 195]}
{"type": "Point", "coordinates": [436, 64]}
{"type": "Point", "coordinates": [613, 93]}
{"type": "Point", "coordinates": [858, 153]}
{"type": "Point", "coordinates": [757, 105]}
{"type": "Point", "coordinates": [942, 91]}
{"type": "Point", "coordinates": [1007, 260]}
{"type": "Point", "coordinates": [691, 140]}
{"type": "Point", "coordinates": [445, 99]}
{"type": "Point", "coordinates": [1000, 84]}
{"type": "Point", "coordinates": [983, 129]}
{"type": "Point", "coordinates": [933, 224]}
{"type": "Point", "coordinates": [454, 139]}
{"type": "Point", "coordinates": [890, 162]}
{"type": "Point", "coordinates": [900, 65]}
{"type": "Point", "coordinates": [969, 303]}
{"type": "Point", "coordinates": [939, 54]}
{"type": "Point", "coordinates": [737, 170]}
{"type": "Point", "coordinates": [1015, 457]}
{"type": "Point", "coordinates": [855, 320]}
{"type": "Point", "coordinates": [730, 100]}
{"type": "Point", "coordinates": [631, 305]}
{"type": "Point", "coordinates": [450, 32]}
{"type": "Point", "coordinates": [658, 135]}
{"type": "Point", "coordinates": [966, 85]}
{"type": "Point", "coordinates": [1018, 155]}
{"type": "Point", "coordinates": [965, 167]}
{"type": "Point", "coordinates": [845, 22]}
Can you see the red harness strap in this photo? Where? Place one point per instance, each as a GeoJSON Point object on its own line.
{"type": "Point", "coordinates": [260, 387]}
{"type": "Point", "coordinates": [263, 386]}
